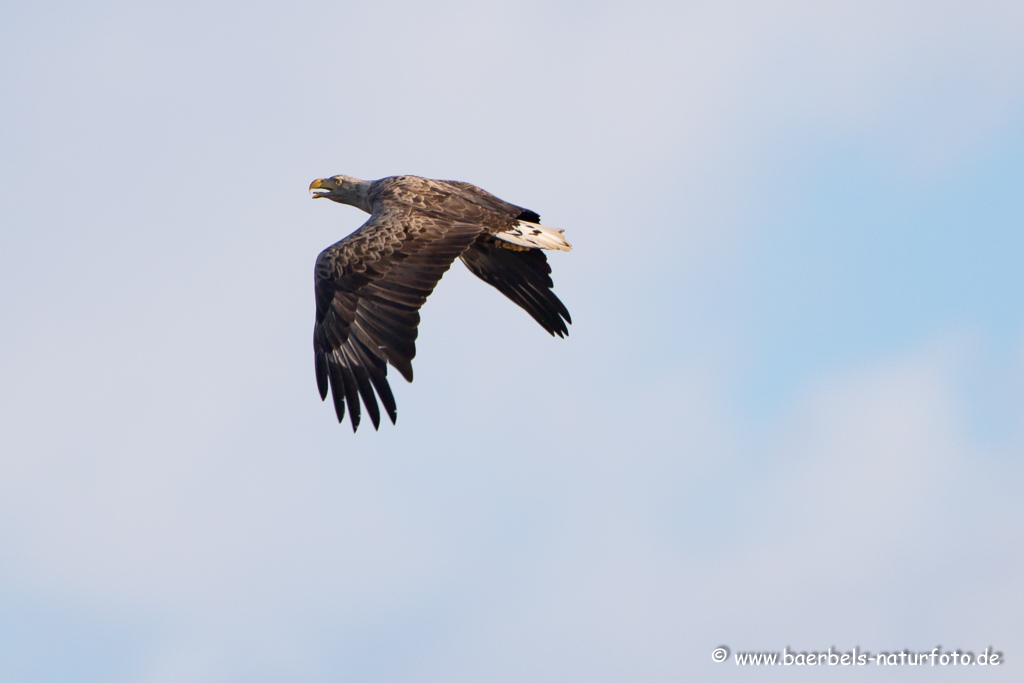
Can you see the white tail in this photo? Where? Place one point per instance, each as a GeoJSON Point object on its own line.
{"type": "Point", "coordinates": [535, 236]}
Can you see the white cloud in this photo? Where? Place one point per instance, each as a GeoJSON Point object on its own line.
{"type": "Point", "coordinates": [163, 449]}
{"type": "Point", "coordinates": [853, 533]}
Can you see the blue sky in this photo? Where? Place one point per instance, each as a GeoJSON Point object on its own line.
{"type": "Point", "coordinates": [861, 262]}
{"type": "Point", "coordinates": [787, 413]}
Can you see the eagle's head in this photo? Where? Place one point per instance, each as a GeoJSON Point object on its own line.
{"type": "Point", "coordinates": [343, 189]}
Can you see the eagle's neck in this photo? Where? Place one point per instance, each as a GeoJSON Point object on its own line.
{"type": "Point", "coordinates": [358, 194]}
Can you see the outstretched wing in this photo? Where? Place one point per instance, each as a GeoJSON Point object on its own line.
{"type": "Point", "coordinates": [484, 198]}
{"type": "Point", "coordinates": [369, 289]}
{"type": "Point", "coordinates": [521, 274]}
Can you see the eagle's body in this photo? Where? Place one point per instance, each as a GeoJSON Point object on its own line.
{"type": "Point", "coordinates": [371, 285]}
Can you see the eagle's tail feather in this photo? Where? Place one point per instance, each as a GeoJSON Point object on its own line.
{"type": "Point", "coordinates": [535, 236]}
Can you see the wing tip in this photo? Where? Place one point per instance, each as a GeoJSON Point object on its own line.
{"type": "Point", "coordinates": [354, 373]}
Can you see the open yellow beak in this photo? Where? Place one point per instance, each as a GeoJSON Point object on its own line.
{"type": "Point", "coordinates": [318, 184]}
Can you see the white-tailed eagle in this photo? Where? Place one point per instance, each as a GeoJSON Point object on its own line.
{"type": "Point", "coordinates": [371, 285]}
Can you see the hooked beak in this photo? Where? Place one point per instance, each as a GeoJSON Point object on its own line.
{"type": "Point", "coordinates": [320, 184]}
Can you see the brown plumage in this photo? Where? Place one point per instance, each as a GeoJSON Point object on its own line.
{"type": "Point", "coordinates": [371, 285]}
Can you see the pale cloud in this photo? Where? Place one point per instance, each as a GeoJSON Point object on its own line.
{"type": "Point", "coordinates": [163, 451]}
{"type": "Point", "coordinates": [845, 537]}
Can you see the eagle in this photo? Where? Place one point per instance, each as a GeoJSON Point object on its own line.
{"type": "Point", "coordinates": [370, 286]}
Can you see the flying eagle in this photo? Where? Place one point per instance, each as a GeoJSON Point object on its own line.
{"type": "Point", "coordinates": [371, 285]}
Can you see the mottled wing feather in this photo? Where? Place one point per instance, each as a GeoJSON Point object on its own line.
{"type": "Point", "coordinates": [485, 198]}
{"type": "Point", "coordinates": [523, 275]}
{"type": "Point", "coordinates": [369, 289]}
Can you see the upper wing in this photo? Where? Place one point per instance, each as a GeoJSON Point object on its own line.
{"type": "Point", "coordinates": [369, 289]}
{"type": "Point", "coordinates": [521, 274]}
{"type": "Point", "coordinates": [485, 198]}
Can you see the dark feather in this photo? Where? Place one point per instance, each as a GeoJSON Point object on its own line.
{"type": "Point", "coordinates": [370, 286]}
{"type": "Point", "coordinates": [321, 374]}
{"type": "Point", "coordinates": [362, 376]}
{"type": "Point", "coordinates": [337, 392]}
{"type": "Point", "coordinates": [524, 276]}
